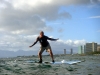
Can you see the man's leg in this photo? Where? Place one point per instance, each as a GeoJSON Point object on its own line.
{"type": "Point", "coordinates": [50, 52]}
{"type": "Point", "coordinates": [40, 54]}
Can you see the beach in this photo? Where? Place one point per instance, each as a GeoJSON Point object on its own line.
{"type": "Point", "coordinates": [25, 65]}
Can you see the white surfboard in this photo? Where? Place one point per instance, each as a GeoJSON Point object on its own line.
{"type": "Point", "coordinates": [67, 62]}
{"type": "Point", "coordinates": [61, 62]}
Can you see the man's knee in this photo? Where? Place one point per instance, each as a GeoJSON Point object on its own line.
{"type": "Point", "coordinates": [39, 53]}
{"type": "Point", "coordinates": [50, 51]}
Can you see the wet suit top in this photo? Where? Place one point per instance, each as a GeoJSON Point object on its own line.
{"type": "Point", "coordinates": [43, 40]}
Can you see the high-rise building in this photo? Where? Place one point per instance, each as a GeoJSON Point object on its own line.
{"type": "Point", "coordinates": [90, 47]}
{"type": "Point", "coordinates": [98, 48]}
{"type": "Point", "coordinates": [80, 50]}
{"type": "Point", "coordinates": [71, 51]}
{"type": "Point", "coordinates": [65, 51]}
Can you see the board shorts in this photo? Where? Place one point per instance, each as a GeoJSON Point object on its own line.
{"type": "Point", "coordinates": [42, 49]}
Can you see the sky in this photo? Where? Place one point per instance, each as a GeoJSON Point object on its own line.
{"type": "Point", "coordinates": [74, 22]}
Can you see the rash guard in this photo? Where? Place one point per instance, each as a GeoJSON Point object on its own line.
{"type": "Point", "coordinates": [43, 40]}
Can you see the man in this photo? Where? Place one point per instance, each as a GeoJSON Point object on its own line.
{"type": "Point", "coordinates": [44, 45]}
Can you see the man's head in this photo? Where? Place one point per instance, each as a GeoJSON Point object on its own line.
{"type": "Point", "coordinates": [41, 34]}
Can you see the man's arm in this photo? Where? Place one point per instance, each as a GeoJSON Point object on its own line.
{"type": "Point", "coordinates": [34, 43]}
{"type": "Point", "coordinates": [52, 39]}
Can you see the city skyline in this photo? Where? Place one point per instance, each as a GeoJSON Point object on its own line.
{"type": "Point", "coordinates": [88, 48]}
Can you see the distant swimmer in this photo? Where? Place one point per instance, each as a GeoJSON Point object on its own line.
{"type": "Point", "coordinates": [44, 45]}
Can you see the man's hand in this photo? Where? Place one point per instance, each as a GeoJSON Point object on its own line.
{"type": "Point", "coordinates": [30, 46]}
{"type": "Point", "coordinates": [57, 39]}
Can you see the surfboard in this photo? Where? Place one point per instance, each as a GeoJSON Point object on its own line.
{"type": "Point", "coordinates": [61, 62]}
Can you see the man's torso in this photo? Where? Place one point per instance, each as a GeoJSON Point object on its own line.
{"type": "Point", "coordinates": [43, 41]}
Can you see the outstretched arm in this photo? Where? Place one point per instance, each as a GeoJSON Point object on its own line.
{"type": "Point", "coordinates": [34, 43]}
{"type": "Point", "coordinates": [52, 39]}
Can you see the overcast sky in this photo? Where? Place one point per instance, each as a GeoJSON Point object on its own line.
{"type": "Point", "coordinates": [74, 22]}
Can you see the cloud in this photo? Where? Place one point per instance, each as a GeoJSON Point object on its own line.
{"type": "Point", "coordinates": [24, 17]}
{"type": "Point", "coordinates": [94, 1]}
{"type": "Point", "coordinates": [17, 42]}
{"type": "Point", "coordinates": [39, 3]}
{"type": "Point", "coordinates": [74, 43]}
{"type": "Point", "coordinates": [94, 17]}
{"type": "Point", "coordinates": [11, 43]}
{"type": "Point", "coordinates": [21, 23]}
{"type": "Point", "coordinates": [60, 45]}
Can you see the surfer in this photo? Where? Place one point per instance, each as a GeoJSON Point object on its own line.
{"type": "Point", "coordinates": [44, 45]}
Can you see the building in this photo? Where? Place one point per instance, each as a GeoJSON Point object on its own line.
{"type": "Point", "coordinates": [98, 48]}
{"type": "Point", "coordinates": [90, 47]}
{"type": "Point", "coordinates": [84, 49]}
{"type": "Point", "coordinates": [71, 51]}
{"type": "Point", "coordinates": [65, 51]}
{"type": "Point", "coordinates": [80, 50]}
